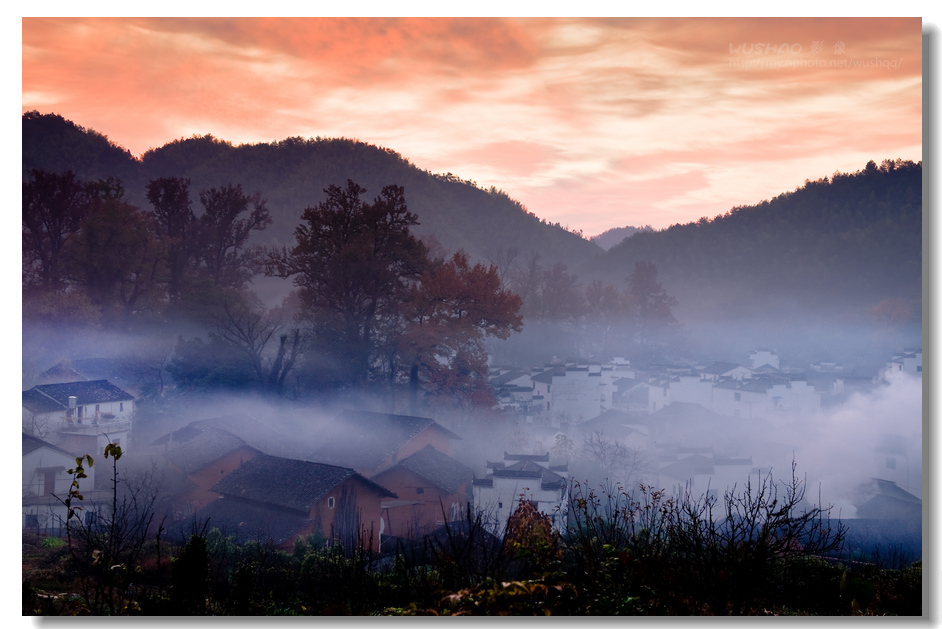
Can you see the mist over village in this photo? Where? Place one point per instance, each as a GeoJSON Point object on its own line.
{"type": "Point", "coordinates": [334, 374]}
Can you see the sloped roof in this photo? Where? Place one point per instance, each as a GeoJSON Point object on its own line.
{"type": "Point", "coordinates": [246, 521]}
{"type": "Point", "coordinates": [684, 411]}
{"type": "Point", "coordinates": [685, 468]}
{"type": "Point", "coordinates": [201, 450]}
{"type": "Point", "coordinates": [287, 483]}
{"type": "Point", "coordinates": [612, 421]}
{"type": "Point", "coordinates": [168, 481]}
{"type": "Point", "coordinates": [438, 468]}
{"type": "Point", "coordinates": [526, 469]}
{"type": "Point", "coordinates": [111, 369]}
{"type": "Point", "coordinates": [886, 536]}
{"type": "Point", "coordinates": [547, 376]}
{"type": "Point", "coordinates": [879, 498]}
{"type": "Point", "coordinates": [363, 439]}
{"type": "Point", "coordinates": [31, 444]}
{"type": "Point", "coordinates": [719, 368]}
{"type": "Point", "coordinates": [503, 379]}
{"type": "Point", "coordinates": [53, 397]}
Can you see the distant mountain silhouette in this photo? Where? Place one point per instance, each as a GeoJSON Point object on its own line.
{"type": "Point", "coordinates": [292, 174]}
{"type": "Point", "coordinates": [611, 237]}
{"type": "Point", "coordinates": [838, 245]}
{"type": "Point", "coordinates": [841, 245]}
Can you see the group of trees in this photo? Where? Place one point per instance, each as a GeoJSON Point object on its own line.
{"type": "Point", "coordinates": [373, 306]}
{"type": "Point", "coordinates": [627, 317]}
{"type": "Point", "coordinates": [383, 309]}
{"type": "Point", "coordinates": [90, 256]}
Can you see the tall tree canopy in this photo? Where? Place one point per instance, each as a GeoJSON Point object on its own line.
{"type": "Point", "coordinates": [380, 308]}
{"type": "Point", "coordinates": [352, 264]}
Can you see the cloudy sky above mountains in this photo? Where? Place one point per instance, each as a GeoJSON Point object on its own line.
{"type": "Point", "coordinates": [594, 123]}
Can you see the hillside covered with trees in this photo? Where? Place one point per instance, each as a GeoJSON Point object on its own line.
{"type": "Point", "coordinates": [839, 246]}
{"type": "Point", "coordinates": [292, 174]}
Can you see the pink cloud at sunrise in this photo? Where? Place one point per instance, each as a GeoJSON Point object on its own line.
{"type": "Point", "coordinates": [593, 123]}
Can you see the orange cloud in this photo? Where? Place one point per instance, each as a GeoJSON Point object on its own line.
{"type": "Point", "coordinates": [586, 121]}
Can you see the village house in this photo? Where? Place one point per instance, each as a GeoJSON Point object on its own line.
{"type": "Point", "coordinates": [907, 363]}
{"type": "Point", "coordinates": [46, 484]}
{"type": "Point", "coordinates": [765, 396]}
{"type": "Point", "coordinates": [371, 442]}
{"type": "Point", "coordinates": [282, 499]}
{"type": "Point", "coordinates": [720, 370]}
{"type": "Point", "coordinates": [82, 416]}
{"type": "Point", "coordinates": [205, 455]}
{"type": "Point", "coordinates": [763, 357]}
{"type": "Point", "coordinates": [431, 487]}
{"type": "Point", "coordinates": [521, 477]}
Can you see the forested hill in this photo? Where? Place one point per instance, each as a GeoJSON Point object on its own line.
{"type": "Point", "coordinates": [292, 174]}
{"type": "Point", "coordinates": [842, 244]}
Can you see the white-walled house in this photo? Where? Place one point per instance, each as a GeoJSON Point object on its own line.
{"type": "Point", "coordinates": [908, 363]}
{"type": "Point", "coordinates": [765, 397]}
{"type": "Point", "coordinates": [521, 477]}
{"type": "Point", "coordinates": [81, 416]}
{"type": "Point", "coordinates": [46, 482]}
{"type": "Point", "coordinates": [570, 395]}
{"type": "Point", "coordinates": [692, 388]}
{"type": "Point", "coordinates": [719, 370]}
{"type": "Point", "coordinates": [761, 357]}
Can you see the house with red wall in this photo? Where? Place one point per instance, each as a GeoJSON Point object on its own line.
{"type": "Point", "coordinates": [432, 489]}
{"type": "Point", "coordinates": [282, 499]}
{"type": "Point", "coordinates": [205, 455]}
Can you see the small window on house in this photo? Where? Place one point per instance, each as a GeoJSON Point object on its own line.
{"type": "Point", "coordinates": [32, 521]}
{"type": "Point", "coordinates": [420, 490]}
{"type": "Point", "coordinates": [331, 502]}
{"type": "Point", "coordinates": [890, 463]}
{"type": "Point", "coordinates": [120, 406]}
{"type": "Point", "coordinates": [737, 396]}
{"type": "Point", "coordinates": [500, 505]}
{"type": "Point", "coordinates": [80, 412]}
{"type": "Point", "coordinates": [918, 367]}
{"type": "Point", "coordinates": [97, 407]}
{"type": "Point", "coordinates": [91, 518]}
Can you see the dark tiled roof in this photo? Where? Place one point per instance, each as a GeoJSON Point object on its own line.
{"type": "Point", "coordinates": [526, 457]}
{"type": "Point", "coordinates": [31, 444]}
{"type": "Point", "coordinates": [525, 469]}
{"type": "Point", "coordinates": [363, 440]}
{"type": "Point", "coordinates": [547, 376]}
{"type": "Point", "coordinates": [438, 468]}
{"type": "Point", "coordinates": [610, 420]}
{"type": "Point", "coordinates": [38, 402]}
{"type": "Point", "coordinates": [201, 450]}
{"type": "Point", "coordinates": [503, 379]}
{"type": "Point", "coordinates": [685, 468]}
{"type": "Point", "coordinates": [287, 483]}
{"type": "Point", "coordinates": [87, 392]}
{"type": "Point", "coordinates": [886, 536]}
{"type": "Point", "coordinates": [181, 435]}
{"type": "Point", "coordinates": [262, 434]}
{"type": "Point", "coordinates": [719, 368]}
{"type": "Point", "coordinates": [245, 521]}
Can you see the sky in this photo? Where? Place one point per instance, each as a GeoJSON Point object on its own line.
{"type": "Point", "coordinates": [592, 123]}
